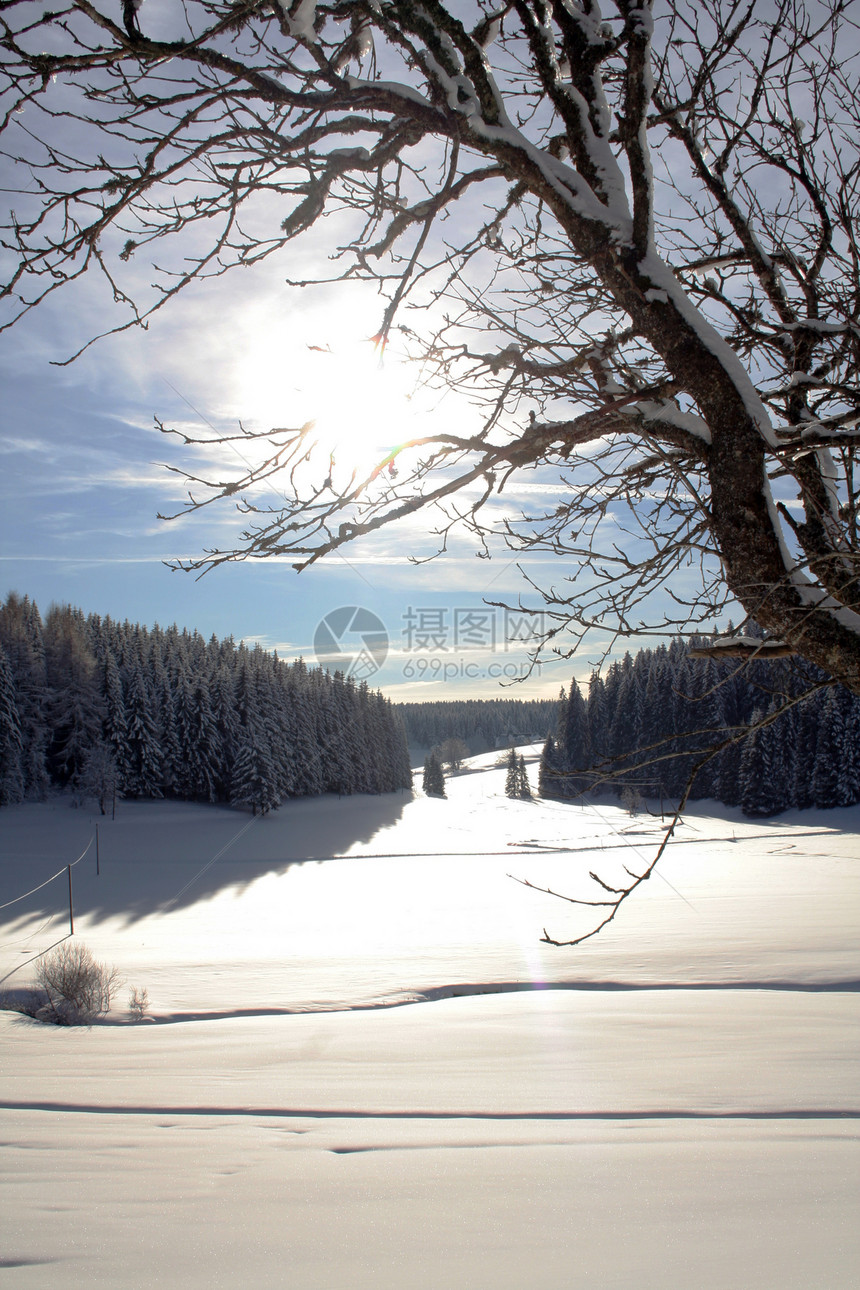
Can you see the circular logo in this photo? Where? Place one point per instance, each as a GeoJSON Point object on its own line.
{"type": "Point", "coordinates": [351, 640]}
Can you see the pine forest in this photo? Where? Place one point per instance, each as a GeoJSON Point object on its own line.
{"type": "Point", "coordinates": [483, 724]}
{"type": "Point", "coordinates": [782, 734]}
{"type": "Point", "coordinates": [110, 710]}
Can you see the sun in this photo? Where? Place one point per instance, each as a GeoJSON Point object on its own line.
{"type": "Point", "coordinates": [361, 404]}
{"type": "Point", "coordinates": [359, 395]}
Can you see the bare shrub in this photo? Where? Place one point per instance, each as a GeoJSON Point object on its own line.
{"type": "Point", "coordinates": [138, 1002]}
{"type": "Point", "coordinates": [74, 987]}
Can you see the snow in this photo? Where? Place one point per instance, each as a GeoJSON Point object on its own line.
{"type": "Point", "coordinates": [809, 592]}
{"type": "Point", "coordinates": [493, 31]}
{"type": "Point", "coordinates": [393, 88]}
{"type": "Point", "coordinates": [364, 43]}
{"type": "Point", "coordinates": [368, 1072]}
{"type": "Point", "coordinates": [664, 279]}
{"type": "Point", "coordinates": [749, 642]}
{"type": "Point", "coordinates": [667, 411]}
{"type": "Point", "coordinates": [300, 23]}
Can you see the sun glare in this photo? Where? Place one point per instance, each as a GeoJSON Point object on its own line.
{"type": "Point", "coordinates": [361, 406]}
{"type": "Point", "coordinates": [360, 398]}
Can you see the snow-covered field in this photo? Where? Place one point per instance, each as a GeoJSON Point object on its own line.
{"type": "Point", "coordinates": [368, 1072]}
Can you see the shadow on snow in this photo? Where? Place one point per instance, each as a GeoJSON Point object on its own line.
{"type": "Point", "coordinates": [165, 856]}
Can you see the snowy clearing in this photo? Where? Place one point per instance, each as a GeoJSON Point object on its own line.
{"type": "Point", "coordinates": [368, 1072]}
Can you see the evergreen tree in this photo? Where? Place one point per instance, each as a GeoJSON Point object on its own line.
{"type": "Point", "coordinates": [848, 791]}
{"type": "Point", "coordinates": [11, 747]}
{"type": "Point", "coordinates": [806, 747]}
{"type": "Point", "coordinates": [161, 666]}
{"type": "Point", "coordinates": [199, 750]}
{"type": "Point", "coordinates": [512, 786]}
{"type": "Point", "coordinates": [400, 766]}
{"type": "Point", "coordinates": [480, 723]}
{"type": "Point", "coordinates": [754, 785]}
{"type": "Point", "coordinates": [827, 766]}
{"type": "Point", "coordinates": [596, 708]}
{"type": "Point", "coordinates": [255, 780]}
{"type": "Point", "coordinates": [434, 777]}
{"type": "Point", "coordinates": [143, 774]}
{"type": "Point", "coordinates": [729, 786]}
{"type": "Point", "coordinates": [22, 638]}
{"type": "Point", "coordinates": [114, 726]}
{"type": "Point", "coordinates": [523, 787]}
{"type": "Point", "coordinates": [549, 772]}
{"type": "Point", "coordinates": [303, 735]}
{"type": "Point", "coordinates": [253, 783]}
{"type": "Point", "coordinates": [74, 703]}
{"type": "Point", "coordinates": [162, 711]}
{"type": "Point", "coordinates": [657, 727]}
{"type": "Point", "coordinates": [764, 787]}
{"type": "Point", "coordinates": [573, 741]}
{"type": "Point", "coordinates": [225, 721]}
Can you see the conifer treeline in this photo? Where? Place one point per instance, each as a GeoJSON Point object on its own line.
{"type": "Point", "coordinates": [105, 707]}
{"type": "Point", "coordinates": [483, 724]}
{"type": "Point", "coordinates": [676, 707]}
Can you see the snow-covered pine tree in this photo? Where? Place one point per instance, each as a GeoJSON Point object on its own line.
{"type": "Point", "coordinates": [22, 638]}
{"type": "Point", "coordinates": [848, 791]}
{"type": "Point", "coordinates": [114, 726]}
{"type": "Point", "coordinates": [274, 724]}
{"type": "Point", "coordinates": [807, 726]}
{"type": "Point", "coordinates": [204, 745]}
{"type": "Point", "coordinates": [549, 771]}
{"type": "Point", "coordinates": [596, 706]}
{"type": "Point", "coordinates": [573, 741]}
{"type": "Point", "coordinates": [524, 791]}
{"type": "Point", "coordinates": [657, 725]}
{"type": "Point", "coordinates": [183, 728]}
{"type": "Point", "coordinates": [756, 790]}
{"type": "Point", "coordinates": [433, 782]}
{"type": "Point", "coordinates": [143, 757]}
{"type": "Point", "coordinates": [480, 723]}
{"type": "Point", "coordinates": [369, 735]}
{"type": "Point", "coordinates": [345, 750]}
{"type": "Point", "coordinates": [826, 769]}
{"type": "Point", "coordinates": [300, 702]}
{"type": "Point", "coordinates": [74, 703]}
{"type": "Point", "coordinates": [225, 721]}
{"type": "Point", "coordinates": [765, 788]}
{"type": "Point", "coordinates": [512, 778]}
{"type": "Point", "coordinates": [11, 746]}
{"type": "Point", "coordinates": [255, 781]}
{"type": "Point", "coordinates": [401, 770]}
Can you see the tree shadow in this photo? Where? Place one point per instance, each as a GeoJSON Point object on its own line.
{"type": "Point", "coordinates": [166, 856]}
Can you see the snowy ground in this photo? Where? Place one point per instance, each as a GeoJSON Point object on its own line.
{"type": "Point", "coordinates": [367, 1072]}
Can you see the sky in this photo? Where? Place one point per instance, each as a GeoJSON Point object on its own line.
{"type": "Point", "coordinates": [83, 478]}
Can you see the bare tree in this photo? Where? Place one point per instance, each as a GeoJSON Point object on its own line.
{"type": "Point", "coordinates": [74, 988]}
{"type": "Point", "coordinates": [99, 778]}
{"type": "Point", "coordinates": [630, 238]}
{"type": "Point", "coordinates": [451, 753]}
